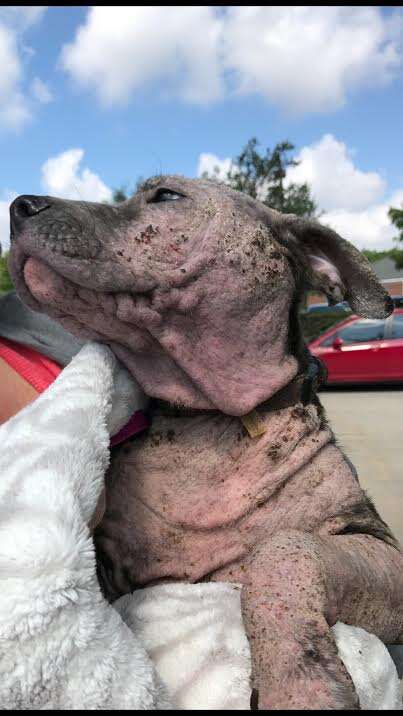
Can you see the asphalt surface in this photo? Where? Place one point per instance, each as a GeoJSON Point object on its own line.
{"type": "Point", "coordinates": [369, 428]}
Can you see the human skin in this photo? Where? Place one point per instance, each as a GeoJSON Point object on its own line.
{"type": "Point", "coordinates": [196, 289]}
{"type": "Point", "coordinates": [16, 392]}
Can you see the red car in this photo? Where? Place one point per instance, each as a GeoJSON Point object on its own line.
{"type": "Point", "coordinates": [362, 350]}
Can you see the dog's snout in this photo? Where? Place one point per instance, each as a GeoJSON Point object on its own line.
{"type": "Point", "coordinates": [24, 207]}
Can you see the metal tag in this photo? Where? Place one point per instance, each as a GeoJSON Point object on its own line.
{"type": "Point", "coordinates": [254, 425]}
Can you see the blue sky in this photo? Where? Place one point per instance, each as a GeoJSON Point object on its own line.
{"type": "Point", "coordinates": [93, 98]}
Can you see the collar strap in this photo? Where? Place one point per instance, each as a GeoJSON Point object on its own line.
{"type": "Point", "coordinates": [302, 389]}
{"type": "Point", "coordinates": [314, 376]}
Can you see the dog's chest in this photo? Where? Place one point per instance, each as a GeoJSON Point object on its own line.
{"type": "Point", "coordinates": [167, 514]}
{"type": "Point", "coordinates": [191, 497]}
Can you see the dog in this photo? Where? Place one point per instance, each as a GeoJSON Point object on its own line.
{"type": "Point", "coordinates": [197, 288]}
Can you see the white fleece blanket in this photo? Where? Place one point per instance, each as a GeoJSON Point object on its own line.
{"type": "Point", "coordinates": [62, 646]}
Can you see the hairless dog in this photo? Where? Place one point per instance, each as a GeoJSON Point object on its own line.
{"type": "Point", "coordinates": [196, 288]}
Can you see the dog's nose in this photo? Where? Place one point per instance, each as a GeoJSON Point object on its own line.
{"type": "Point", "coordinates": [23, 207]}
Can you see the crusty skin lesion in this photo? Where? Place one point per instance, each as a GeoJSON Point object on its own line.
{"type": "Point", "coordinates": [199, 298]}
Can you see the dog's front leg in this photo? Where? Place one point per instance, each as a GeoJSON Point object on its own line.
{"type": "Point", "coordinates": [285, 601]}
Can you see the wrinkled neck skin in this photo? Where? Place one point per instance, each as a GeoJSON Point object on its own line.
{"type": "Point", "coordinates": [196, 347]}
{"type": "Point", "coordinates": [229, 373]}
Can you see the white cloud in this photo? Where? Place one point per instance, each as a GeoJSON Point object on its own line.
{"type": "Point", "coordinates": [309, 58]}
{"type": "Point", "coordinates": [14, 110]}
{"type": "Point", "coordinates": [15, 106]}
{"type": "Point", "coordinates": [353, 202]}
{"type": "Point", "coordinates": [336, 183]}
{"type": "Point", "coordinates": [369, 228]}
{"type": "Point", "coordinates": [62, 177]}
{"type": "Point", "coordinates": [4, 226]}
{"type": "Point", "coordinates": [40, 91]}
{"type": "Point", "coordinates": [121, 49]}
{"type": "Point", "coordinates": [5, 202]}
{"type": "Point", "coordinates": [218, 168]}
{"type": "Point", "coordinates": [304, 59]}
{"type": "Point", "coordinates": [214, 166]}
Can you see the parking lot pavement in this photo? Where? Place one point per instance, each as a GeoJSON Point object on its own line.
{"type": "Point", "coordinates": [369, 428]}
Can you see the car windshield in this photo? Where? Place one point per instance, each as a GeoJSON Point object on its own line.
{"type": "Point", "coordinates": [366, 329]}
{"type": "Point", "coordinates": [397, 326]}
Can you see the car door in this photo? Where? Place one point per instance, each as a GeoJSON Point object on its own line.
{"type": "Point", "coordinates": [360, 355]}
{"type": "Point", "coordinates": [394, 352]}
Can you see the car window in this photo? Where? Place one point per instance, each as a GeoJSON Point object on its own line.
{"type": "Point", "coordinates": [365, 330]}
{"type": "Point", "coordinates": [328, 341]}
{"type": "Point", "coordinates": [397, 326]}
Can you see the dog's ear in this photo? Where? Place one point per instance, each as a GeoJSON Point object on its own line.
{"type": "Point", "coordinates": [337, 268]}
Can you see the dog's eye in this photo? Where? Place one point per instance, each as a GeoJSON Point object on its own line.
{"type": "Point", "coordinates": [166, 195]}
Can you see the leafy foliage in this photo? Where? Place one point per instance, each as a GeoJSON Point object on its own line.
{"type": "Point", "coordinates": [313, 324]}
{"type": "Point", "coordinates": [396, 217]}
{"type": "Point", "coordinates": [373, 255]}
{"type": "Point", "coordinates": [123, 193]}
{"type": "Point", "coordinates": [6, 283]}
{"type": "Point", "coordinates": [262, 176]}
{"type": "Point", "coordinates": [119, 195]}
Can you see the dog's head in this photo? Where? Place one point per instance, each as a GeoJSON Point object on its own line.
{"type": "Point", "coordinates": [191, 283]}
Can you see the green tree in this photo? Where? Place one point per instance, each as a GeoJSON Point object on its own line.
{"type": "Point", "coordinates": [262, 176]}
{"type": "Point", "coordinates": [373, 255]}
{"type": "Point", "coordinates": [396, 217]}
{"type": "Point", "coordinates": [119, 195]}
{"type": "Point", "coordinates": [123, 193]}
{"type": "Point", "coordinates": [6, 283]}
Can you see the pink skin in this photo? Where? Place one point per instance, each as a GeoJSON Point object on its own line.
{"type": "Point", "coordinates": [196, 296]}
{"type": "Point", "coordinates": [168, 269]}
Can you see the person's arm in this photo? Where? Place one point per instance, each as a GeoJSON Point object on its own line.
{"type": "Point", "coordinates": [16, 393]}
{"type": "Point", "coordinates": [62, 645]}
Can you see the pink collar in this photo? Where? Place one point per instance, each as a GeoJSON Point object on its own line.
{"type": "Point", "coordinates": [40, 372]}
{"type": "Point", "coordinates": [137, 423]}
